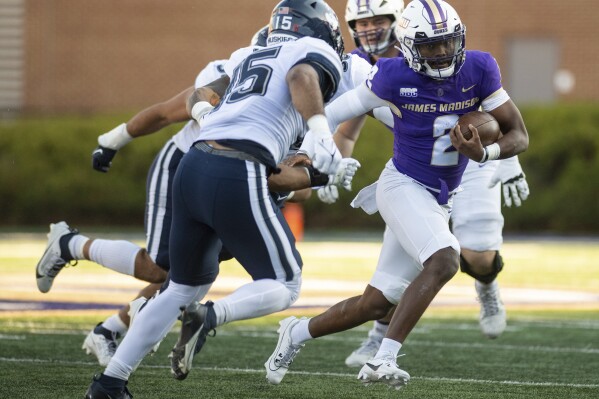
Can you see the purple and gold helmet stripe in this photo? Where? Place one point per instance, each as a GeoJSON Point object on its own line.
{"type": "Point", "coordinates": [363, 6]}
{"type": "Point", "coordinates": [436, 14]}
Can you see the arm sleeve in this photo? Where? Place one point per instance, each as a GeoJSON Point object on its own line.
{"type": "Point", "coordinates": [354, 103]}
{"type": "Point", "coordinates": [384, 115]}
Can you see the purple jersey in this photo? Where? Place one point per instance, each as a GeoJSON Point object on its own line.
{"type": "Point", "coordinates": [427, 109]}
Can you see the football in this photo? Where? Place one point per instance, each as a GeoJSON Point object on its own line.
{"type": "Point", "coordinates": [485, 123]}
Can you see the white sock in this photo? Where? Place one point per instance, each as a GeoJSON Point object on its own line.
{"type": "Point", "coordinates": [118, 255]}
{"type": "Point", "coordinates": [492, 285]}
{"type": "Point", "coordinates": [378, 329]}
{"type": "Point", "coordinates": [76, 244]}
{"type": "Point", "coordinates": [300, 332]}
{"type": "Point", "coordinates": [115, 324]}
{"type": "Point", "coordinates": [255, 299]}
{"type": "Point", "coordinates": [388, 347]}
{"type": "Point", "coordinates": [150, 327]}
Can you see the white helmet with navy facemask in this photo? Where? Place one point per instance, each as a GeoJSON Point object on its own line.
{"type": "Point", "coordinates": [360, 9]}
{"type": "Point", "coordinates": [432, 24]}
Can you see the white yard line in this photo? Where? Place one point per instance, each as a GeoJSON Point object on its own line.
{"type": "Point", "coordinates": [311, 373]}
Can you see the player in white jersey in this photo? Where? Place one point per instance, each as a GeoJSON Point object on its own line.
{"type": "Point", "coordinates": [195, 329]}
{"type": "Point", "coordinates": [220, 193]}
{"type": "Point", "coordinates": [152, 264]}
{"type": "Point", "coordinates": [476, 218]}
{"type": "Point", "coordinates": [415, 190]}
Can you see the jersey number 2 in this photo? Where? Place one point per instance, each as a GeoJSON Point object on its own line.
{"type": "Point", "coordinates": [443, 153]}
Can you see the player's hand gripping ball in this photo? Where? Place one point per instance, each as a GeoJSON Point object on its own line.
{"type": "Point", "coordinates": [485, 123]}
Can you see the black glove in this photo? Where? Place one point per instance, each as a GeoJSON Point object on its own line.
{"type": "Point", "coordinates": [102, 158]}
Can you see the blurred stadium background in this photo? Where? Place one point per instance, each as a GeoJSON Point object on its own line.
{"type": "Point", "coordinates": [70, 71]}
{"type": "Point", "coordinates": [63, 56]}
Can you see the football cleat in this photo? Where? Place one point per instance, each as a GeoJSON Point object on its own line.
{"type": "Point", "coordinates": [279, 361]}
{"type": "Point", "coordinates": [365, 352]}
{"type": "Point", "coordinates": [97, 391]}
{"type": "Point", "coordinates": [385, 370]}
{"type": "Point", "coordinates": [102, 343]}
{"type": "Point", "coordinates": [197, 321]}
{"type": "Point", "coordinates": [492, 318]}
{"type": "Point", "coordinates": [56, 256]}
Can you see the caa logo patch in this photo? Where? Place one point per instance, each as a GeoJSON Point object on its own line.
{"type": "Point", "coordinates": [408, 92]}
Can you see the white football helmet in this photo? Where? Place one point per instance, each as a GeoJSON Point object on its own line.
{"type": "Point", "coordinates": [359, 9]}
{"type": "Point", "coordinates": [429, 23]}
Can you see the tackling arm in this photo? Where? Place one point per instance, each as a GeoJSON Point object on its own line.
{"type": "Point", "coordinates": [160, 115]}
{"type": "Point", "coordinates": [303, 82]}
{"type": "Point", "coordinates": [307, 98]}
{"type": "Point", "coordinates": [145, 122]}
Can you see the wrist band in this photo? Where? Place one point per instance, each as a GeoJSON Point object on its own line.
{"type": "Point", "coordinates": [485, 155]}
{"type": "Point", "coordinates": [115, 139]}
{"type": "Point", "coordinates": [491, 152]}
{"type": "Point", "coordinates": [317, 179]}
{"type": "Point", "coordinates": [318, 124]}
{"type": "Point", "coordinates": [200, 109]}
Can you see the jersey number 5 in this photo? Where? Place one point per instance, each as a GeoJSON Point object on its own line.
{"type": "Point", "coordinates": [251, 77]}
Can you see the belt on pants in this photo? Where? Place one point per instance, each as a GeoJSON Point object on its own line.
{"type": "Point", "coordinates": [244, 156]}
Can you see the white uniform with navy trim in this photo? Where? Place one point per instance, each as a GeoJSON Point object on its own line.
{"type": "Point", "coordinates": [355, 71]}
{"type": "Point", "coordinates": [270, 121]}
{"type": "Point", "coordinates": [228, 189]}
{"type": "Point", "coordinates": [221, 196]}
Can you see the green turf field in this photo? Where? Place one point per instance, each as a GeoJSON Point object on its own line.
{"type": "Point", "coordinates": [549, 350]}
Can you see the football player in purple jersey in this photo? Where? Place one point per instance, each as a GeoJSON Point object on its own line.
{"type": "Point", "coordinates": [428, 88]}
{"type": "Point", "coordinates": [476, 217]}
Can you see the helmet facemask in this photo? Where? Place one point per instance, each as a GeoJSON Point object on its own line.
{"type": "Point", "coordinates": [438, 57]}
{"type": "Point", "coordinates": [375, 41]}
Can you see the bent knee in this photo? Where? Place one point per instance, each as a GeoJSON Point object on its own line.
{"type": "Point", "coordinates": [445, 263]}
{"type": "Point", "coordinates": [373, 304]}
{"type": "Point", "coordinates": [146, 269]}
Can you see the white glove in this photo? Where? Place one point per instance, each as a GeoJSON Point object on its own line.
{"type": "Point", "coordinates": [318, 144]}
{"type": "Point", "coordinates": [328, 194]}
{"type": "Point", "coordinates": [345, 173]}
{"type": "Point", "coordinates": [510, 174]}
{"type": "Point", "coordinates": [346, 170]}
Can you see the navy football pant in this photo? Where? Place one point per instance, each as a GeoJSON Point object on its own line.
{"type": "Point", "coordinates": [216, 199]}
